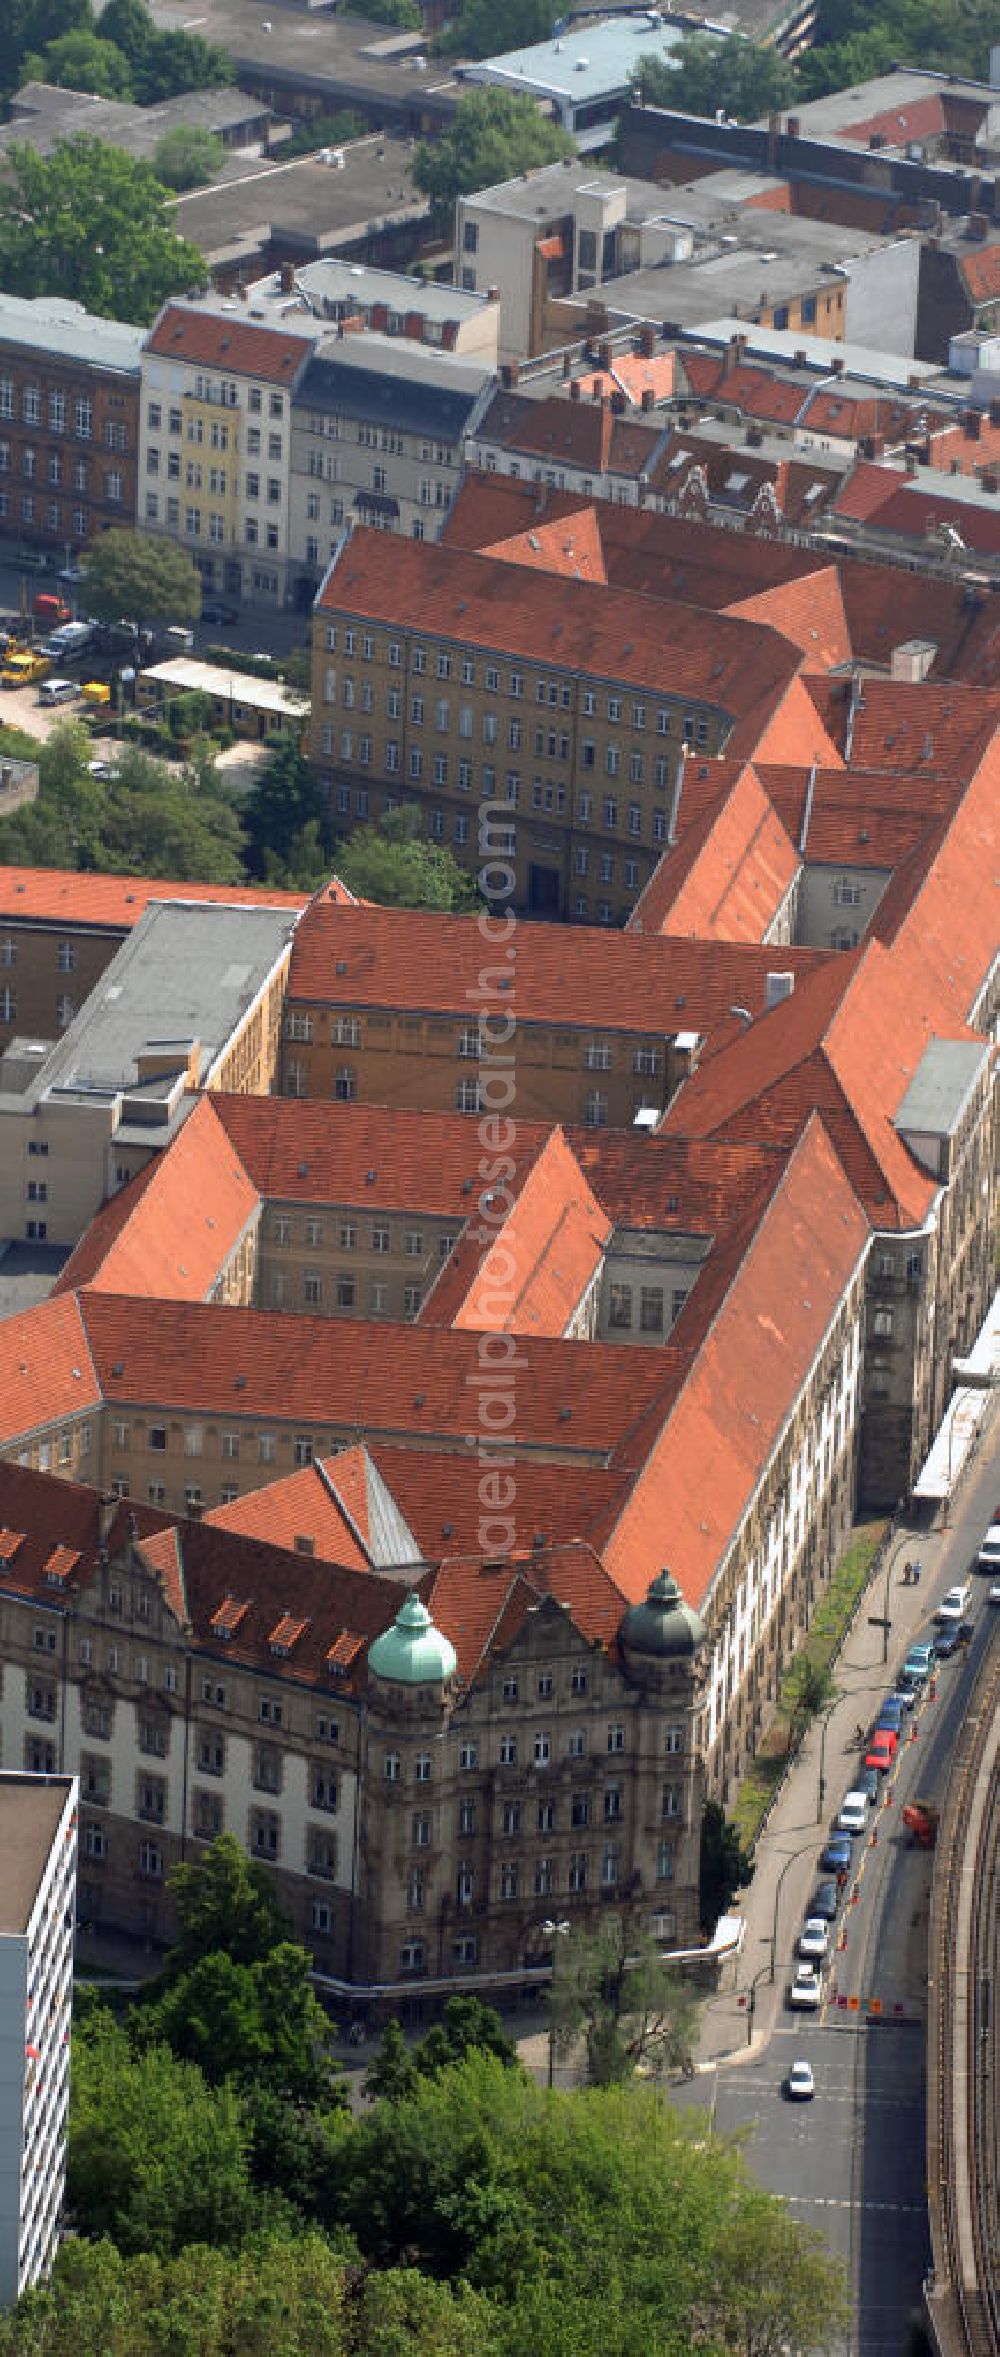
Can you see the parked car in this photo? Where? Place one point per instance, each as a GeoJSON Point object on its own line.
{"type": "Point", "coordinates": [58, 691]}
{"type": "Point", "coordinates": [988, 1558]}
{"type": "Point", "coordinates": [906, 1697]}
{"type": "Point", "coordinates": [890, 1714]}
{"type": "Point", "coordinates": [96, 691]}
{"type": "Point", "coordinates": [814, 1938]}
{"type": "Point", "coordinates": [835, 1857]}
{"type": "Point", "coordinates": [952, 1606]}
{"type": "Point", "coordinates": [994, 1594]}
{"type": "Point", "coordinates": [966, 1631]}
{"type": "Point", "coordinates": [824, 1902]}
{"type": "Point", "coordinates": [853, 1813]}
{"type": "Point", "coordinates": [801, 2084]}
{"type": "Point", "coordinates": [948, 1643]}
{"type": "Point", "coordinates": [882, 1750]}
{"type": "Point", "coordinates": [215, 609]}
{"type": "Point", "coordinates": [920, 1660]}
{"type": "Point", "coordinates": [807, 1989]}
{"type": "Point", "coordinates": [866, 1781]}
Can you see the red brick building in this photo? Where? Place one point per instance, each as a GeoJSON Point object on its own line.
{"type": "Point", "coordinates": [69, 422]}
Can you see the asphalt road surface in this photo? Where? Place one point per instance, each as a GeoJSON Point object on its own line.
{"type": "Point", "coordinates": [852, 2162]}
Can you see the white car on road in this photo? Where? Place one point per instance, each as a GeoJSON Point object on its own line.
{"type": "Point", "coordinates": [806, 1992]}
{"type": "Point", "coordinates": [814, 1938]}
{"type": "Point", "coordinates": [952, 1606]}
{"type": "Point", "coordinates": [801, 2084]}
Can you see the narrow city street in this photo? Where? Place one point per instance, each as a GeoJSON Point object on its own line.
{"type": "Point", "coordinates": [852, 2162]}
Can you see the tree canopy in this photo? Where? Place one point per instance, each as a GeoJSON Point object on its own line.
{"type": "Point", "coordinates": [247, 2022]}
{"type": "Point", "coordinates": [226, 1905]}
{"type": "Point", "coordinates": [120, 54]}
{"type": "Point", "coordinates": [702, 75]}
{"type": "Point", "coordinates": [725, 1867]}
{"type": "Point", "coordinates": [633, 2012]}
{"type": "Point", "coordinates": [147, 819]}
{"type": "Point", "coordinates": [88, 221]}
{"type": "Point", "coordinates": [494, 134]}
{"type": "Point", "coordinates": [157, 2158]}
{"type": "Point", "coordinates": [286, 815]}
{"type": "Point", "coordinates": [476, 31]}
{"type": "Point", "coordinates": [394, 864]}
{"type": "Point", "coordinates": [136, 577]}
{"type": "Point", "coordinates": [186, 157]}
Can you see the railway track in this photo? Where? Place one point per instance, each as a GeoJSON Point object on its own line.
{"type": "Point", "coordinates": [962, 2159]}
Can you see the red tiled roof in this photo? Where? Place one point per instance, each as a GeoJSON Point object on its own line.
{"type": "Point", "coordinates": [727, 879]}
{"type": "Point", "coordinates": [981, 272]}
{"type": "Point", "coordinates": [170, 1232]}
{"type": "Point", "coordinates": [527, 1272]}
{"type": "Point", "coordinates": [482, 1607]}
{"type": "Point", "coordinates": [846, 1045]}
{"type": "Point", "coordinates": [610, 982]}
{"type": "Point", "coordinates": [916, 118]}
{"type": "Point", "coordinates": [224, 341]}
{"type": "Point", "coordinates": [431, 586]}
{"type": "Point", "coordinates": [46, 1367]}
{"type": "Point", "coordinates": [66, 896]}
{"type": "Point", "coordinates": [343, 1376]}
{"type": "Point", "coordinates": [296, 1151]}
{"type": "Point", "coordinates": [571, 547]}
{"type": "Point", "coordinates": [299, 1507]}
{"type": "Point", "coordinates": [866, 491]}
{"type": "Point", "coordinates": [912, 513]}
{"type": "Point", "coordinates": [745, 1380]}
{"type": "Point", "coordinates": [810, 612]}
{"type": "Point", "coordinates": [953, 954]}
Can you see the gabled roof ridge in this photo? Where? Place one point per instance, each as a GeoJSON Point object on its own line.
{"type": "Point", "coordinates": [168, 1543]}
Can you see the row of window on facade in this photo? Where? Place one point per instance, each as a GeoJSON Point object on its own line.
{"type": "Point", "coordinates": [52, 516]}
{"type": "Point", "coordinates": [207, 1822]}
{"type": "Point", "coordinates": [468, 1097]}
{"type": "Point", "coordinates": [153, 1727]}
{"type": "Point", "coordinates": [596, 1055]}
{"type": "Point", "coordinates": [54, 472]}
{"type": "Point", "coordinates": [377, 1238]}
{"type": "Point", "coordinates": [465, 1949]}
{"type": "Point", "coordinates": [226, 393]}
{"type": "Point", "coordinates": [58, 412]}
{"type": "Point", "coordinates": [557, 693]}
{"type": "Point", "coordinates": [543, 1879]}
{"type": "Point", "coordinates": [65, 1006]}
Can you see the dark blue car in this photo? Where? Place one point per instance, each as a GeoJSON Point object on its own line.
{"type": "Point", "coordinates": [836, 1858]}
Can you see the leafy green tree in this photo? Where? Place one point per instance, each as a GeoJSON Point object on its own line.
{"type": "Point", "coordinates": [156, 2158]}
{"type": "Point", "coordinates": [495, 134]}
{"type": "Point", "coordinates": [285, 2295]}
{"type": "Point", "coordinates": [857, 59]}
{"type": "Point", "coordinates": [393, 864]}
{"type": "Point", "coordinates": [226, 1904]}
{"type": "Point", "coordinates": [186, 157]}
{"type": "Point", "coordinates": [30, 25]}
{"type": "Point", "coordinates": [137, 578]}
{"type": "Point", "coordinates": [703, 74]}
{"type": "Point", "coordinates": [633, 2012]}
{"type": "Point", "coordinates": [247, 2023]}
{"type": "Point", "coordinates": [477, 32]}
{"type": "Point", "coordinates": [724, 1866]}
{"type": "Point", "coordinates": [148, 819]}
{"type": "Point", "coordinates": [162, 64]}
{"type": "Point", "coordinates": [81, 61]}
{"type": "Point", "coordinates": [88, 221]}
{"type": "Point", "coordinates": [596, 2222]}
{"type": "Point", "coordinates": [285, 802]}
{"type": "Point", "coordinates": [404, 13]}
{"type": "Point", "coordinates": [466, 2026]}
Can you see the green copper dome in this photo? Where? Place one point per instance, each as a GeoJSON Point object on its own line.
{"type": "Point", "coordinates": [663, 1624]}
{"type": "Point", "coordinates": [413, 1652]}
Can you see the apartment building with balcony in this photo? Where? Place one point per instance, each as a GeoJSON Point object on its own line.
{"type": "Point", "coordinates": [69, 422]}
{"type": "Point", "coordinates": [215, 443]}
{"type": "Point", "coordinates": [38, 1867]}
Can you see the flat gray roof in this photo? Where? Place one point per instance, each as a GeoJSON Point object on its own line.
{"type": "Point", "coordinates": [312, 47]}
{"type": "Point", "coordinates": [389, 379]}
{"type": "Point", "coordinates": [304, 199]}
{"type": "Point", "coordinates": [47, 114]}
{"type": "Point", "coordinates": [762, 269]}
{"type": "Point", "coordinates": [31, 1809]}
{"type": "Point", "coordinates": [586, 62]}
{"type": "Point", "coordinates": [330, 284]}
{"type": "Point", "coordinates": [187, 971]}
{"type": "Point", "coordinates": [550, 192]}
{"type": "Point", "coordinates": [54, 324]}
{"type": "Point", "coordinates": [842, 110]}
{"type": "Point", "coordinates": [941, 1087]}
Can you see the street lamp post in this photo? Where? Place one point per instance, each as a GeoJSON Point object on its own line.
{"type": "Point", "coordinates": [553, 1931]}
{"type": "Point", "coordinates": [789, 1861]}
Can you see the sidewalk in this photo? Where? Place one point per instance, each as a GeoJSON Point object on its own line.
{"type": "Point", "coordinates": [788, 1848]}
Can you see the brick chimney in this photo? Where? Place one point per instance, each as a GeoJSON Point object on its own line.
{"type": "Point", "coordinates": [574, 390]}
{"type": "Point", "coordinates": [648, 397]}
{"type": "Point", "coordinates": [286, 277]}
{"type": "Point", "coordinates": [972, 425]}
{"type": "Point", "coordinates": [606, 425]}
{"type": "Point", "coordinates": [646, 343]}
